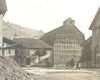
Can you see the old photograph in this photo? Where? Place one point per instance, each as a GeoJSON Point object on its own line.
{"type": "Point", "coordinates": [49, 40]}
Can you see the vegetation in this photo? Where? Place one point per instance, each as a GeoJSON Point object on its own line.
{"type": "Point", "coordinates": [71, 63]}
{"type": "Point", "coordinates": [86, 55]}
{"type": "Point", "coordinates": [40, 53]}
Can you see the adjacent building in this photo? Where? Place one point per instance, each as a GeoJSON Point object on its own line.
{"type": "Point", "coordinates": [3, 9]}
{"type": "Point", "coordinates": [8, 48]}
{"type": "Point", "coordinates": [95, 27]}
{"type": "Point", "coordinates": [28, 51]}
{"type": "Point", "coordinates": [32, 52]}
{"type": "Point", "coordinates": [65, 41]}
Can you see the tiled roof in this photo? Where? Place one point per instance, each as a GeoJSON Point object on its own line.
{"type": "Point", "coordinates": [31, 43]}
{"type": "Point", "coordinates": [72, 30]}
{"type": "Point", "coordinates": [3, 7]}
{"type": "Point", "coordinates": [8, 41]}
{"type": "Point", "coordinates": [97, 16]}
{"type": "Point", "coordinates": [14, 46]}
{"type": "Point", "coordinates": [11, 44]}
{"type": "Point", "coordinates": [87, 42]}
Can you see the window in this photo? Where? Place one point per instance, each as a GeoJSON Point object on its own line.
{"type": "Point", "coordinates": [9, 51]}
{"type": "Point", "coordinates": [28, 61]}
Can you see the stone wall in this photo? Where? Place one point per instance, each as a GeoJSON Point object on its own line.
{"type": "Point", "coordinates": [10, 70]}
{"type": "Point", "coordinates": [1, 33]}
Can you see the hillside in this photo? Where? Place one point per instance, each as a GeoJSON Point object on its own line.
{"type": "Point", "coordinates": [13, 30]}
{"type": "Point", "coordinates": [9, 70]}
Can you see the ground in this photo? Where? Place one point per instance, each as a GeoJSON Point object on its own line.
{"type": "Point", "coordinates": [61, 74]}
{"type": "Point", "coordinates": [10, 70]}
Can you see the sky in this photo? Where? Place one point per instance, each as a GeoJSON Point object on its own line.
{"type": "Point", "coordinates": [47, 15]}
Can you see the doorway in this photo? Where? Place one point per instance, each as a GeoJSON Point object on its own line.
{"type": "Point", "coordinates": [28, 61]}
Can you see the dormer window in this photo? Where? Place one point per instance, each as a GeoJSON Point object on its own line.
{"type": "Point", "coordinates": [69, 21]}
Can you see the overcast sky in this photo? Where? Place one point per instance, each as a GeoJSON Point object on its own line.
{"type": "Point", "coordinates": [47, 15]}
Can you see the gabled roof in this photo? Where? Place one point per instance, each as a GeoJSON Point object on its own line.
{"type": "Point", "coordinates": [15, 46]}
{"type": "Point", "coordinates": [87, 42]}
{"type": "Point", "coordinates": [3, 7]}
{"type": "Point", "coordinates": [95, 20]}
{"type": "Point", "coordinates": [31, 43]}
{"type": "Point", "coordinates": [8, 41]}
{"type": "Point", "coordinates": [11, 44]}
{"type": "Point", "coordinates": [50, 37]}
{"type": "Point", "coordinates": [69, 19]}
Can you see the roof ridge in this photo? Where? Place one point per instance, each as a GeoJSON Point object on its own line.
{"type": "Point", "coordinates": [44, 43]}
{"type": "Point", "coordinates": [32, 43]}
{"type": "Point", "coordinates": [94, 19]}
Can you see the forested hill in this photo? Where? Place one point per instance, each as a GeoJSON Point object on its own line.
{"type": "Point", "coordinates": [13, 30]}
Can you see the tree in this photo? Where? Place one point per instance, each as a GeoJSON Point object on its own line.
{"type": "Point", "coordinates": [71, 62]}
{"type": "Point", "coordinates": [86, 55]}
{"type": "Point", "coordinates": [40, 53]}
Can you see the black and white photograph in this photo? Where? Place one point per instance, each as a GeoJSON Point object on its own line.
{"type": "Point", "coordinates": [49, 40]}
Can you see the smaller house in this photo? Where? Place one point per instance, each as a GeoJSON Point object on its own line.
{"type": "Point", "coordinates": [33, 52]}
{"type": "Point", "coordinates": [8, 48]}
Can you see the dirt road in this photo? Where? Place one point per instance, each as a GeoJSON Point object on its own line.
{"type": "Point", "coordinates": [54, 74]}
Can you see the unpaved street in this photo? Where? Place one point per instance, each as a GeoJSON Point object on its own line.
{"type": "Point", "coordinates": [67, 76]}
{"type": "Point", "coordinates": [55, 74]}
